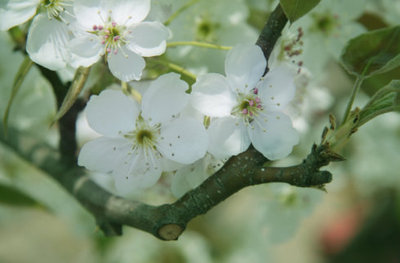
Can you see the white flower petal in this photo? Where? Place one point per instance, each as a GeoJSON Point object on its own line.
{"type": "Point", "coordinates": [212, 95]}
{"type": "Point", "coordinates": [165, 98]}
{"type": "Point", "coordinates": [273, 135]}
{"type": "Point", "coordinates": [88, 13]}
{"type": "Point", "coordinates": [85, 51]}
{"type": "Point", "coordinates": [191, 176]}
{"type": "Point", "coordinates": [111, 113]}
{"type": "Point", "coordinates": [169, 165]}
{"type": "Point", "coordinates": [244, 66]}
{"type": "Point", "coordinates": [277, 88]}
{"type": "Point", "coordinates": [183, 141]}
{"type": "Point", "coordinates": [126, 65]}
{"type": "Point", "coordinates": [127, 12]}
{"type": "Point", "coordinates": [46, 43]}
{"type": "Point", "coordinates": [103, 154]}
{"type": "Point", "coordinates": [187, 178]}
{"type": "Point", "coordinates": [148, 39]}
{"type": "Point", "coordinates": [227, 136]}
{"type": "Point", "coordinates": [137, 171]}
{"type": "Point", "coordinates": [16, 12]}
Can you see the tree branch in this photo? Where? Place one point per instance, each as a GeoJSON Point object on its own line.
{"type": "Point", "coordinates": [271, 32]}
{"type": "Point", "coordinates": [167, 221]}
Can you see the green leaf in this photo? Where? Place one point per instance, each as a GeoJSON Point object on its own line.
{"type": "Point", "coordinates": [18, 80]}
{"type": "Point", "coordinates": [294, 9]}
{"type": "Point", "coordinates": [76, 87]}
{"type": "Point", "coordinates": [373, 52]}
{"type": "Point", "coordinates": [11, 196]}
{"type": "Point", "coordinates": [385, 100]}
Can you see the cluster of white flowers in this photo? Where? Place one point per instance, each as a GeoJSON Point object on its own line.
{"type": "Point", "coordinates": [77, 33]}
{"type": "Point", "coordinates": [158, 133]}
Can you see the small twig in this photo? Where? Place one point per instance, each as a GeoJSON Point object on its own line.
{"type": "Point", "coordinates": [197, 44]}
{"type": "Point", "coordinates": [179, 11]}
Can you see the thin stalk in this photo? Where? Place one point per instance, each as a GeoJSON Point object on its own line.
{"type": "Point", "coordinates": [179, 11]}
{"type": "Point", "coordinates": [356, 88]}
{"type": "Point", "coordinates": [18, 80]}
{"type": "Point", "coordinates": [177, 68]}
{"type": "Point", "coordinates": [198, 44]}
{"type": "Point", "coordinates": [126, 88]}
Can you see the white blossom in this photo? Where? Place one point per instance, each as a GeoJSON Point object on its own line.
{"type": "Point", "coordinates": [247, 108]}
{"type": "Point", "coordinates": [48, 33]}
{"type": "Point", "coordinates": [116, 29]}
{"type": "Point", "coordinates": [223, 24]}
{"type": "Point", "coordinates": [327, 29]}
{"type": "Point", "coordinates": [16, 12]}
{"type": "Point", "coordinates": [47, 42]}
{"type": "Point", "coordinates": [190, 176]}
{"type": "Point", "coordinates": [139, 142]}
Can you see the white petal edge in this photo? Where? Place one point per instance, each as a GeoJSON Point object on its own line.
{"type": "Point", "coordinates": [126, 65]}
{"type": "Point", "coordinates": [111, 113]}
{"type": "Point", "coordinates": [191, 176]}
{"type": "Point", "coordinates": [165, 98]}
{"type": "Point", "coordinates": [227, 136]}
{"type": "Point", "coordinates": [16, 12]}
{"type": "Point", "coordinates": [127, 12]}
{"type": "Point", "coordinates": [212, 95]}
{"type": "Point", "coordinates": [148, 38]}
{"type": "Point", "coordinates": [85, 50]}
{"type": "Point", "coordinates": [188, 177]}
{"type": "Point", "coordinates": [183, 140]}
{"type": "Point", "coordinates": [244, 66]}
{"type": "Point", "coordinates": [275, 137]}
{"type": "Point", "coordinates": [89, 13]}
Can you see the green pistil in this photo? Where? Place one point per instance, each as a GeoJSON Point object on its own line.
{"type": "Point", "coordinates": [248, 107]}
{"type": "Point", "coordinates": [290, 199]}
{"type": "Point", "coordinates": [325, 23]}
{"type": "Point", "coordinates": [244, 105]}
{"type": "Point", "coordinates": [144, 137]}
{"type": "Point", "coordinates": [54, 7]}
{"type": "Point", "coordinates": [111, 36]}
{"type": "Point", "coordinates": [205, 30]}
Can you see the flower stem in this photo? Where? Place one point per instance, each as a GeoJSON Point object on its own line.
{"type": "Point", "coordinates": [198, 44]}
{"type": "Point", "coordinates": [178, 69]}
{"type": "Point", "coordinates": [126, 88]}
{"type": "Point", "coordinates": [356, 88]}
{"type": "Point", "coordinates": [179, 11]}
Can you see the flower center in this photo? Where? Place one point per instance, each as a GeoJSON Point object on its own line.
{"type": "Point", "coordinates": [205, 30]}
{"type": "Point", "coordinates": [145, 135]}
{"type": "Point", "coordinates": [249, 106]}
{"type": "Point", "coordinates": [111, 34]}
{"type": "Point", "coordinates": [55, 7]}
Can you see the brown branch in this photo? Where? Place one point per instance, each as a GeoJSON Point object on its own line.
{"type": "Point", "coordinates": [67, 124]}
{"type": "Point", "coordinates": [271, 32]}
{"type": "Point", "coordinates": [167, 221]}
